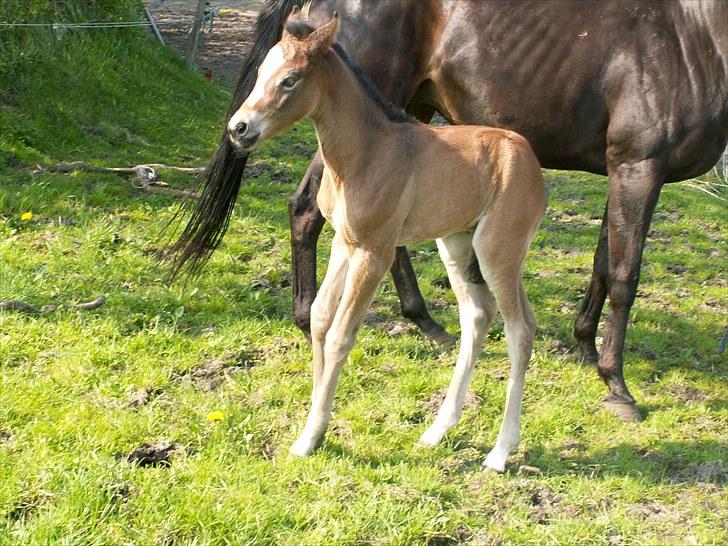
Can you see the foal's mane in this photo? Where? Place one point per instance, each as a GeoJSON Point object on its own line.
{"type": "Point", "coordinates": [301, 29]}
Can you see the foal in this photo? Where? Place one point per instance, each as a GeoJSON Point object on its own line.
{"type": "Point", "coordinates": [389, 181]}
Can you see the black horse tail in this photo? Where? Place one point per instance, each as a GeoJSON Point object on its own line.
{"type": "Point", "coordinates": [210, 217]}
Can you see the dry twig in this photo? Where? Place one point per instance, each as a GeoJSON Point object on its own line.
{"type": "Point", "coordinates": [17, 305]}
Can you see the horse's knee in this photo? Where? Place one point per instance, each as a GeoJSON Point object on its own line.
{"type": "Point", "coordinates": [622, 290]}
{"type": "Point", "coordinates": [337, 345]}
{"type": "Point", "coordinates": [477, 316]}
{"type": "Point", "coordinates": [319, 320]}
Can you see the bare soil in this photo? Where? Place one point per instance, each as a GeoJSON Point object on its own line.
{"type": "Point", "coordinates": [222, 50]}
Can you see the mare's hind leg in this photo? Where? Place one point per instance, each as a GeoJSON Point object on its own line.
{"type": "Point", "coordinates": [634, 187]}
{"type": "Point", "coordinates": [412, 304]}
{"type": "Point", "coordinates": [477, 308]}
{"type": "Point", "coordinates": [587, 321]}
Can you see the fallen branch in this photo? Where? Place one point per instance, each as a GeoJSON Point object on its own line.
{"type": "Point", "coordinates": [145, 168]}
{"type": "Point", "coordinates": [146, 175]}
{"type": "Point", "coordinates": [17, 305]}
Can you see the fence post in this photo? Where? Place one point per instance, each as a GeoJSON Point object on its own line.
{"type": "Point", "coordinates": [195, 35]}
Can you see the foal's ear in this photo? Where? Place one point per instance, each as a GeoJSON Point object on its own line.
{"type": "Point", "coordinates": [321, 39]}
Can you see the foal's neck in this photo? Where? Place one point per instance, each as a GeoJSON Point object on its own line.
{"type": "Point", "coordinates": [349, 124]}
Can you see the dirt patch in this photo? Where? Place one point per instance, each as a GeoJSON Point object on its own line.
{"type": "Point", "coordinates": [5, 436]}
{"type": "Point", "coordinates": [142, 396]}
{"type": "Point", "coordinates": [223, 44]}
{"type": "Point", "coordinates": [393, 327]}
{"type": "Point", "coordinates": [543, 504]}
{"type": "Point", "coordinates": [28, 504]}
{"type": "Point", "coordinates": [715, 472]}
{"type": "Point", "coordinates": [431, 406]}
{"type": "Point", "coordinates": [277, 175]}
{"type": "Point", "coordinates": [686, 393]}
{"type": "Point", "coordinates": [213, 373]}
{"type": "Point", "coordinates": [157, 454]}
{"type": "Point", "coordinates": [459, 536]}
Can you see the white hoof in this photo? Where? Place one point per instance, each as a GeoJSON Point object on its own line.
{"type": "Point", "coordinates": [303, 447]}
{"type": "Point", "coordinates": [432, 436]}
{"type": "Point", "coordinates": [496, 461]}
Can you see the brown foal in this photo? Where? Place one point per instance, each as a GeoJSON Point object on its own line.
{"type": "Point", "coordinates": [388, 181]}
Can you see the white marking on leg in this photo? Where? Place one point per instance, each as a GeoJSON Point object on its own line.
{"type": "Point", "coordinates": [520, 330]}
{"type": "Point", "coordinates": [476, 307]}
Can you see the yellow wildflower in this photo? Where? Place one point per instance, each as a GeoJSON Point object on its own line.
{"type": "Point", "coordinates": [26, 216]}
{"type": "Point", "coordinates": [215, 416]}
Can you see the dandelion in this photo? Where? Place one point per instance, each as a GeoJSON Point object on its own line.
{"type": "Point", "coordinates": [26, 216]}
{"type": "Point", "coordinates": [215, 416]}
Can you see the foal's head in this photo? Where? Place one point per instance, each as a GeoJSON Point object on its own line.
{"type": "Point", "coordinates": [280, 96]}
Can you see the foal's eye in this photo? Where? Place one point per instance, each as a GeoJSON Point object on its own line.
{"type": "Point", "coordinates": [289, 82]}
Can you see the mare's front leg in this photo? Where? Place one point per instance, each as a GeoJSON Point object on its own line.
{"type": "Point", "coordinates": [306, 224]}
{"type": "Point", "coordinates": [634, 187]}
{"type": "Point", "coordinates": [365, 271]}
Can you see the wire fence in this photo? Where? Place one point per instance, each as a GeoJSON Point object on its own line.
{"type": "Point", "coordinates": [96, 24]}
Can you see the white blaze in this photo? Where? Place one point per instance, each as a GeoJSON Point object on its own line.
{"type": "Point", "coordinates": [272, 63]}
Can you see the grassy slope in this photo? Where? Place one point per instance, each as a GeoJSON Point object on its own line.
{"type": "Point", "coordinates": [224, 343]}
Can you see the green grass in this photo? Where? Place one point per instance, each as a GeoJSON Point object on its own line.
{"type": "Point", "coordinates": [70, 381]}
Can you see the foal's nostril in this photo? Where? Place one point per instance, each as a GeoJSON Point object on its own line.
{"type": "Point", "coordinates": [240, 129]}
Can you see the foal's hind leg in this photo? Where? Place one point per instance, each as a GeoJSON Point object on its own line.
{"type": "Point", "coordinates": [477, 308]}
{"type": "Point", "coordinates": [501, 260]}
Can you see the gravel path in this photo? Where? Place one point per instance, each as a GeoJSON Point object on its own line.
{"type": "Point", "coordinates": [221, 52]}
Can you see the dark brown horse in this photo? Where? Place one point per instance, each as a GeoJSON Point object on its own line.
{"type": "Point", "coordinates": [634, 90]}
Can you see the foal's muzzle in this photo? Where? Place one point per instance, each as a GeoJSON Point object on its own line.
{"type": "Point", "coordinates": [243, 136]}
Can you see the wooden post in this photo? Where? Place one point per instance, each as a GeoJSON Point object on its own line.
{"type": "Point", "coordinates": [195, 35]}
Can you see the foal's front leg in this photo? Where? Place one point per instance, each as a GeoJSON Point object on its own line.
{"type": "Point", "coordinates": [365, 272]}
{"type": "Point", "coordinates": [325, 304]}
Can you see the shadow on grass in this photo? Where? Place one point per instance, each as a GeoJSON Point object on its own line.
{"type": "Point", "coordinates": [684, 462]}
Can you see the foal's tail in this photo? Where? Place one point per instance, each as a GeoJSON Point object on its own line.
{"type": "Point", "coordinates": [210, 218]}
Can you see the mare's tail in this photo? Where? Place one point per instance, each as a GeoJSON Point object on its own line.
{"type": "Point", "coordinates": [210, 218]}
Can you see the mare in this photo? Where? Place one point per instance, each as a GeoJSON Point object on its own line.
{"type": "Point", "coordinates": [390, 180]}
{"type": "Point", "coordinates": [634, 90]}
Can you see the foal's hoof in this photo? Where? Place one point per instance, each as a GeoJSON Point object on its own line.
{"type": "Point", "coordinates": [303, 447]}
{"type": "Point", "coordinates": [626, 411]}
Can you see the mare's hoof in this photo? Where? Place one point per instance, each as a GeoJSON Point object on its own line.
{"type": "Point", "coordinates": [626, 411]}
{"type": "Point", "coordinates": [440, 338]}
{"type": "Point", "coordinates": [588, 352]}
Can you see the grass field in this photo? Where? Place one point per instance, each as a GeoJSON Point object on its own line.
{"type": "Point", "coordinates": [212, 374]}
